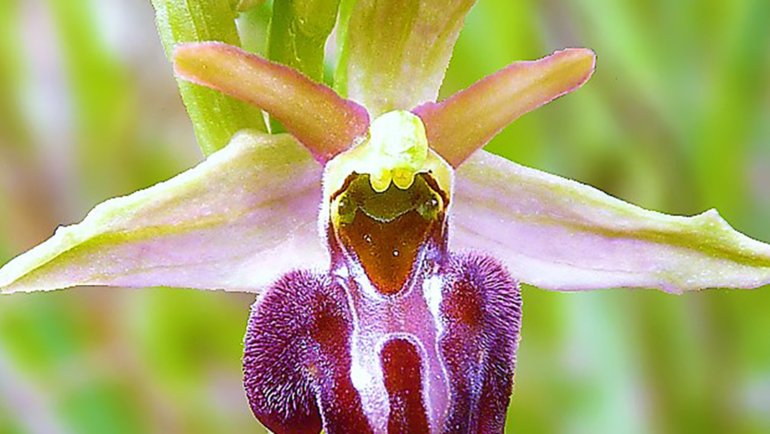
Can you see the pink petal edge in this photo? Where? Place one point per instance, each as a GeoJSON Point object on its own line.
{"type": "Point", "coordinates": [320, 119]}
{"type": "Point", "coordinates": [466, 121]}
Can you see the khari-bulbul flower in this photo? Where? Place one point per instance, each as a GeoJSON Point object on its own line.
{"type": "Point", "coordinates": [386, 247]}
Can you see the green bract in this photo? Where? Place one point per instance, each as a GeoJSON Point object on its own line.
{"type": "Point", "coordinates": [216, 117]}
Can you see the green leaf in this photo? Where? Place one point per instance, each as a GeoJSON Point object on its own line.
{"type": "Point", "coordinates": [215, 117]}
{"type": "Point", "coordinates": [245, 5]}
{"type": "Point", "coordinates": [298, 33]}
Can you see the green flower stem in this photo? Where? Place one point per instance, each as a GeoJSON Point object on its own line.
{"type": "Point", "coordinates": [298, 33]}
{"type": "Point", "coordinates": [245, 5]}
{"type": "Point", "coordinates": [215, 117]}
{"type": "Point", "coordinates": [340, 72]}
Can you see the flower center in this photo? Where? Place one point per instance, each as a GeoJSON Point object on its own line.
{"type": "Point", "coordinates": [385, 231]}
{"type": "Point", "coordinates": [398, 149]}
{"type": "Point", "coordinates": [393, 153]}
{"type": "Point", "coordinates": [387, 201]}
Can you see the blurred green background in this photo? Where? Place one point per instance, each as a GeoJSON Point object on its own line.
{"type": "Point", "coordinates": [676, 118]}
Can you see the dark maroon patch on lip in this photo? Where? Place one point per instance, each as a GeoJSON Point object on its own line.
{"type": "Point", "coordinates": [401, 366]}
{"type": "Point", "coordinates": [481, 309]}
{"type": "Point", "coordinates": [386, 231]}
{"type": "Point", "coordinates": [387, 251]}
{"type": "Point", "coordinates": [296, 361]}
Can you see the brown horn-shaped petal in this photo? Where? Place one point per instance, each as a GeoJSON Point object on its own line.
{"type": "Point", "coordinates": [467, 120]}
{"type": "Point", "coordinates": [320, 119]}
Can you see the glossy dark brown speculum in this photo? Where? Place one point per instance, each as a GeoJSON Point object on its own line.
{"type": "Point", "coordinates": [399, 336]}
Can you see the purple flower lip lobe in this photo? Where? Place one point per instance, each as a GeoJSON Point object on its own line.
{"type": "Point", "coordinates": [352, 351]}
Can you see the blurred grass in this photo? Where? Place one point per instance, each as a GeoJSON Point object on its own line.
{"type": "Point", "coordinates": [677, 118]}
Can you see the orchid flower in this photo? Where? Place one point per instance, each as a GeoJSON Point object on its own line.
{"type": "Point", "coordinates": [384, 245]}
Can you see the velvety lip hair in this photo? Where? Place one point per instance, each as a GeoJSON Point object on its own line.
{"type": "Point", "coordinates": [386, 247]}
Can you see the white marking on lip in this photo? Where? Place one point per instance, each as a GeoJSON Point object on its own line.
{"type": "Point", "coordinates": [360, 377]}
{"type": "Point", "coordinates": [431, 292]}
{"type": "Point", "coordinates": [365, 369]}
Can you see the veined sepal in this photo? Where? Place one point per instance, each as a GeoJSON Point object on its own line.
{"type": "Point", "coordinates": [235, 222]}
{"type": "Point", "coordinates": [394, 53]}
{"type": "Point", "coordinates": [559, 234]}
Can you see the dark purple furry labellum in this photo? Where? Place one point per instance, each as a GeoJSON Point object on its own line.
{"type": "Point", "coordinates": [399, 336]}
